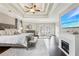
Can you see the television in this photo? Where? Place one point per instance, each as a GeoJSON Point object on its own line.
{"type": "Point", "coordinates": [70, 19]}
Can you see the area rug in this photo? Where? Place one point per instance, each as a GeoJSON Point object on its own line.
{"type": "Point", "coordinates": [39, 50]}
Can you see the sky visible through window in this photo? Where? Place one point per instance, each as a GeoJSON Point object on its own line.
{"type": "Point", "coordinates": [70, 19]}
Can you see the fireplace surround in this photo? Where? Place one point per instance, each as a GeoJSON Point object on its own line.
{"type": "Point", "coordinates": [69, 43]}
{"type": "Point", "coordinates": [65, 46]}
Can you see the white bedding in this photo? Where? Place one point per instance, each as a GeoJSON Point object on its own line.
{"type": "Point", "coordinates": [14, 40]}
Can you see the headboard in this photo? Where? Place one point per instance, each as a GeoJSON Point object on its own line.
{"type": "Point", "coordinates": [8, 26]}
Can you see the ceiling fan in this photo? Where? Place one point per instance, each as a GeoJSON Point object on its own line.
{"type": "Point", "coordinates": [32, 9]}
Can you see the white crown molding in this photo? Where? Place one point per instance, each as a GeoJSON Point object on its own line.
{"type": "Point", "coordinates": [58, 9]}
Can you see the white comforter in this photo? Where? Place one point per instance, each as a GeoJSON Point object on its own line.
{"type": "Point", "coordinates": [14, 40]}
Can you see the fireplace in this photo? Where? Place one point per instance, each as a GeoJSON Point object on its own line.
{"type": "Point", "coordinates": [65, 46]}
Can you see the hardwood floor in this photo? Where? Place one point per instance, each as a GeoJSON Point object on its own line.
{"type": "Point", "coordinates": [54, 50]}
{"type": "Point", "coordinates": [3, 49]}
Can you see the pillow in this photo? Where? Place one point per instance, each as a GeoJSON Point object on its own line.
{"type": "Point", "coordinates": [2, 32]}
{"type": "Point", "coordinates": [10, 31]}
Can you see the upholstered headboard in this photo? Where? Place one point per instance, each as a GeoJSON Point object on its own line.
{"type": "Point", "coordinates": [8, 26]}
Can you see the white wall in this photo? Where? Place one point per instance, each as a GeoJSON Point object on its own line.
{"type": "Point", "coordinates": [38, 20]}
{"type": "Point", "coordinates": [56, 20]}
{"type": "Point", "coordinates": [41, 25]}
{"type": "Point", "coordinates": [6, 19]}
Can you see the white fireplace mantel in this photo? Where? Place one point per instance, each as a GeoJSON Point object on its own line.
{"type": "Point", "coordinates": [73, 40]}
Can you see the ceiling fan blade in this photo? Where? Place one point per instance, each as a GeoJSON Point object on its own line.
{"type": "Point", "coordinates": [27, 7]}
{"type": "Point", "coordinates": [33, 5]}
{"type": "Point", "coordinates": [33, 12]}
{"type": "Point", "coordinates": [37, 10]}
{"type": "Point", "coordinates": [27, 11]}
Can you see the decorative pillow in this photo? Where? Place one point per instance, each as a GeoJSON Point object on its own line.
{"type": "Point", "coordinates": [10, 31]}
{"type": "Point", "coordinates": [2, 32]}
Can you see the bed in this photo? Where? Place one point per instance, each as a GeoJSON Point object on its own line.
{"type": "Point", "coordinates": [19, 40]}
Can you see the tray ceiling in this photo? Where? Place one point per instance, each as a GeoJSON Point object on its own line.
{"type": "Point", "coordinates": [18, 8]}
